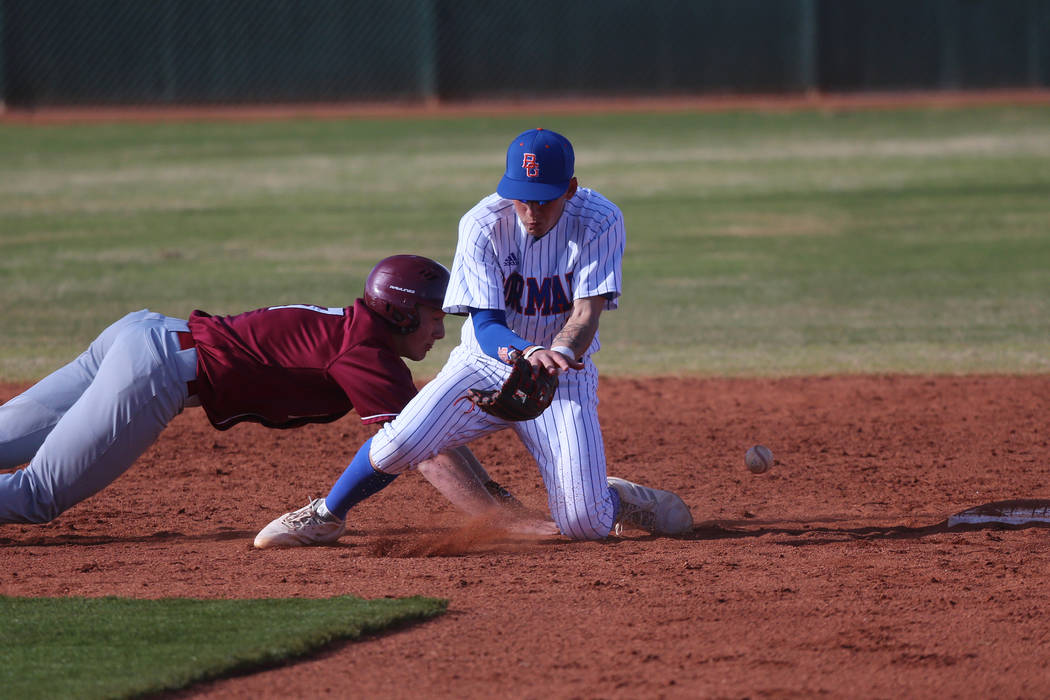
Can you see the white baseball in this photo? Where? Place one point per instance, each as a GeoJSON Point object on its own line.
{"type": "Point", "coordinates": [758, 459]}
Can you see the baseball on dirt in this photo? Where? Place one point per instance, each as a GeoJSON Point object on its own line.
{"type": "Point", "coordinates": [758, 459]}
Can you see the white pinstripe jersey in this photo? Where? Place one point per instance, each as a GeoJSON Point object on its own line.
{"type": "Point", "coordinates": [498, 265]}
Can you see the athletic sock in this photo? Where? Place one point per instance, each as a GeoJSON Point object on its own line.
{"type": "Point", "coordinates": [357, 482]}
{"type": "Point", "coordinates": [616, 503]}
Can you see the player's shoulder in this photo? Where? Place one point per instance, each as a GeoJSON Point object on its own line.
{"type": "Point", "coordinates": [489, 210]}
{"type": "Point", "coordinates": [592, 205]}
{"type": "Point", "coordinates": [587, 198]}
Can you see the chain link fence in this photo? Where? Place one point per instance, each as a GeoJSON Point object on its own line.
{"type": "Point", "coordinates": [155, 52]}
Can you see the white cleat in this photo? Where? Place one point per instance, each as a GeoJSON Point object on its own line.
{"type": "Point", "coordinates": [301, 528]}
{"type": "Point", "coordinates": [652, 510]}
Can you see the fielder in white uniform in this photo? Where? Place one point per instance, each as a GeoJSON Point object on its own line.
{"type": "Point", "coordinates": [536, 264]}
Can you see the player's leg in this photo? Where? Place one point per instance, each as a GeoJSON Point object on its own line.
{"type": "Point", "coordinates": [585, 503]}
{"type": "Point", "coordinates": [139, 387]}
{"type": "Point", "coordinates": [27, 419]}
{"type": "Point", "coordinates": [436, 419]}
{"type": "Point", "coordinates": [566, 441]}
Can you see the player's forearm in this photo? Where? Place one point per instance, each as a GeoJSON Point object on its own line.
{"type": "Point", "coordinates": [453, 474]}
{"type": "Point", "coordinates": [579, 330]}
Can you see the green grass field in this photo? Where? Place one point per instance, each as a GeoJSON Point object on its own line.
{"type": "Point", "coordinates": [119, 647]}
{"type": "Point", "coordinates": [758, 243]}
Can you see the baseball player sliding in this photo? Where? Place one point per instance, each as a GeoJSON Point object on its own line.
{"type": "Point", "coordinates": [536, 264]}
{"type": "Point", "coordinates": [82, 426]}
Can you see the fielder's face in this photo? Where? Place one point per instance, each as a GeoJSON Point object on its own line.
{"type": "Point", "coordinates": [419, 342]}
{"type": "Point", "coordinates": [538, 218]}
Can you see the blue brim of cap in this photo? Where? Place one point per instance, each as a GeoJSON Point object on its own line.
{"type": "Point", "coordinates": [531, 191]}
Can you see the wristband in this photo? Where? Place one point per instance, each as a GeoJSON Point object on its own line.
{"type": "Point", "coordinates": [564, 350]}
{"type": "Point", "coordinates": [532, 349]}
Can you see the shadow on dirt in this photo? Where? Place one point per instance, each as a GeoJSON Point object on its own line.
{"type": "Point", "coordinates": [412, 542]}
{"type": "Point", "coordinates": [66, 540]}
{"type": "Point", "coordinates": [824, 534]}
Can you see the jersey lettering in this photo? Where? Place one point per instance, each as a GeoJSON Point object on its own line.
{"type": "Point", "coordinates": [560, 302]}
{"type": "Point", "coordinates": [512, 291]}
{"type": "Point", "coordinates": [531, 297]}
{"type": "Point", "coordinates": [532, 168]}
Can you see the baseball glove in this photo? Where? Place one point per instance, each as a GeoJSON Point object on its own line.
{"type": "Point", "coordinates": [525, 394]}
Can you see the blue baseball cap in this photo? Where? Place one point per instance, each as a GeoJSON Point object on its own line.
{"type": "Point", "coordinates": [539, 167]}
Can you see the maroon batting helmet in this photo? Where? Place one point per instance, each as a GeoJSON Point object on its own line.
{"type": "Point", "coordinates": [397, 284]}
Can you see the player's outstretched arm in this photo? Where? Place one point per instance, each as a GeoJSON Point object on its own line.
{"type": "Point", "coordinates": [458, 476]}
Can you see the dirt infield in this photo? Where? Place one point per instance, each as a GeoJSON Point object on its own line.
{"type": "Point", "coordinates": [833, 575]}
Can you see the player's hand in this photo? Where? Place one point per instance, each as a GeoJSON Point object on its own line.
{"type": "Point", "coordinates": [530, 525]}
{"type": "Point", "coordinates": [555, 362]}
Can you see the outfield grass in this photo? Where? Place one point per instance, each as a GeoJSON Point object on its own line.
{"type": "Point", "coordinates": [758, 243]}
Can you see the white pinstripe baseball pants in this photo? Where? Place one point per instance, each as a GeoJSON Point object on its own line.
{"type": "Point", "coordinates": [566, 440]}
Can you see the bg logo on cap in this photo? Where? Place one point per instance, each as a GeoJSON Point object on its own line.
{"type": "Point", "coordinates": [532, 168]}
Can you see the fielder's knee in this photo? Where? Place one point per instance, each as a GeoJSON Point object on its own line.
{"type": "Point", "coordinates": [390, 453]}
{"type": "Point", "coordinates": [585, 526]}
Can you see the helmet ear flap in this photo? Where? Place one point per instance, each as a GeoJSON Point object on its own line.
{"type": "Point", "coordinates": [402, 323]}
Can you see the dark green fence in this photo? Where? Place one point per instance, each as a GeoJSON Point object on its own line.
{"type": "Point", "coordinates": [78, 52]}
{"type": "Point", "coordinates": [948, 44]}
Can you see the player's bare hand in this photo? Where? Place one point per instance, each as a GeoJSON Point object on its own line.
{"type": "Point", "coordinates": [530, 526]}
{"type": "Point", "coordinates": [555, 362]}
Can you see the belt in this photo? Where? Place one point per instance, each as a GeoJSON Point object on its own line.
{"type": "Point", "coordinates": [186, 342]}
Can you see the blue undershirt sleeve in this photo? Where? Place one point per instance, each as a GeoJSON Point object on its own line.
{"type": "Point", "coordinates": [490, 328]}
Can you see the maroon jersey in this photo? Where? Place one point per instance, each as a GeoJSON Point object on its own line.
{"type": "Point", "coordinates": [284, 366]}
